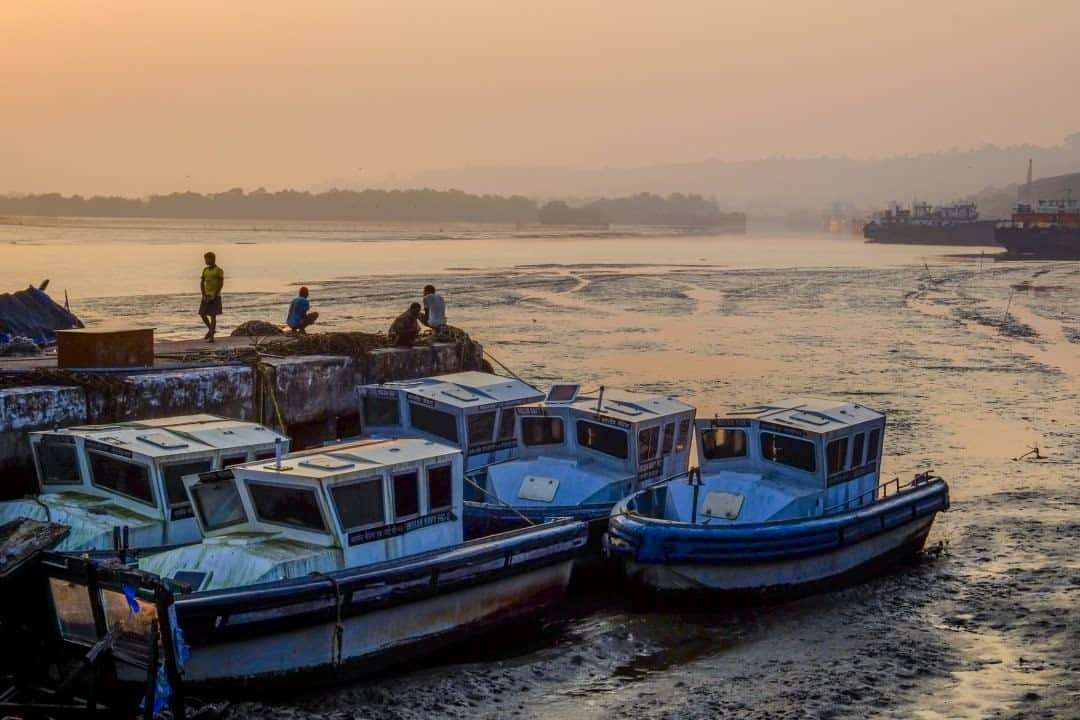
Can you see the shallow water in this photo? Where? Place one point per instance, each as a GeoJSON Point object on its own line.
{"type": "Point", "coordinates": [974, 362]}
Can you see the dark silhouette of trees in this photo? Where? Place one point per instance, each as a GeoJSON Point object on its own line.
{"type": "Point", "coordinates": [383, 205]}
{"type": "Point", "coordinates": [366, 205]}
{"type": "Point", "coordinates": [676, 210]}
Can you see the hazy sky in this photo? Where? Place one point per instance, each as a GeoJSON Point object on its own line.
{"type": "Point", "coordinates": [140, 96]}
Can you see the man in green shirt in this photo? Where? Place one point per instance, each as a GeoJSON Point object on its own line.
{"type": "Point", "coordinates": [213, 279]}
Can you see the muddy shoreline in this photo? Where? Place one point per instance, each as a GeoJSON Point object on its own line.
{"type": "Point", "coordinates": [972, 372]}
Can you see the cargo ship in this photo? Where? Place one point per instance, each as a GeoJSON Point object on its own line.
{"type": "Point", "coordinates": [1048, 230]}
{"type": "Point", "coordinates": [924, 224]}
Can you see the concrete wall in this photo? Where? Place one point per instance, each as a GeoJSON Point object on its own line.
{"type": "Point", "coordinates": [314, 394]}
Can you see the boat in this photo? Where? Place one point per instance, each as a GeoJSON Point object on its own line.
{"type": "Point", "coordinates": [578, 453]}
{"type": "Point", "coordinates": [120, 485]}
{"type": "Point", "coordinates": [1048, 230]}
{"type": "Point", "coordinates": [924, 224]}
{"type": "Point", "coordinates": [473, 411]}
{"type": "Point", "coordinates": [340, 561]}
{"type": "Point", "coordinates": [787, 500]}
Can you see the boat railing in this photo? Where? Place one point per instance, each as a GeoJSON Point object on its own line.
{"type": "Point", "coordinates": [882, 491]}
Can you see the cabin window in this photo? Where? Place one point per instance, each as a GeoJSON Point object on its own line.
{"type": "Point", "coordinates": [857, 450]}
{"type": "Point", "coordinates": [266, 455]}
{"type": "Point", "coordinates": [218, 504]}
{"type": "Point", "coordinates": [481, 428]}
{"type": "Point", "coordinates": [873, 444]}
{"type": "Point", "coordinates": [381, 411]}
{"type": "Point", "coordinates": [542, 430]}
{"type": "Point", "coordinates": [683, 438]}
{"type": "Point", "coordinates": [836, 455]}
{"type": "Point", "coordinates": [291, 506]}
{"type": "Point", "coordinates": [602, 438]}
{"type": "Point", "coordinates": [228, 461]}
{"type": "Point", "coordinates": [440, 488]}
{"type": "Point", "coordinates": [406, 496]}
{"type": "Point", "coordinates": [359, 504]}
{"type": "Point", "coordinates": [506, 424]}
{"type": "Point", "coordinates": [648, 441]}
{"type": "Point", "coordinates": [121, 477]}
{"type": "Point", "coordinates": [788, 451]}
{"type": "Point", "coordinates": [173, 474]}
{"type": "Point", "coordinates": [723, 443]}
{"type": "Point", "coordinates": [669, 439]}
{"type": "Point", "coordinates": [58, 462]}
{"type": "Point", "coordinates": [434, 421]}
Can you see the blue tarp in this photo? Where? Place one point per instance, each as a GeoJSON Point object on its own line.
{"type": "Point", "coordinates": [32, 313]}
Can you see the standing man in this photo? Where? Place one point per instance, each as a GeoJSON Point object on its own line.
{"type": "Point", "coordinates": [406, 327]}
{"type": "Point", "coordinates": [213, 279]}
{"type": "Point", "coordinates": [299, 317]}
{"type": "Point", "coordinates": [434, 314]}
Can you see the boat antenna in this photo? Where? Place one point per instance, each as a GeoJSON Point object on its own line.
{"type": "Point", "coordinates": [600, 399]}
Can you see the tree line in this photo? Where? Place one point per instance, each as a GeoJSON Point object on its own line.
{"type": "Point", "coordinates": [643, 209]}
{"type": "Point", "coordinates": [363, 205]}
{"type": "Point", "coordinates": [379, 205]}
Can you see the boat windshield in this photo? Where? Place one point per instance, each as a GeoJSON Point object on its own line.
{"type": "Point", "coordinates": [174, 474]}
{"type": "Point", "coordinates": [129, 479]}
{"type": "Point", "coordinates": [723, 443]}
{"type": "Point", "coordinates": [602, 438]}
{"type": "Point", "coordinates": [218, 504]}
{"type": "Point", "coordinates": [481, 428]}
{"type": "Point", "coordinates": [381, 411]}
{"type": "Point", "coordinates": [542, 430]}
{"type": "Point", "coordinates": [434, 421]}
{"type": "Point", "coordinates": [58, 462]}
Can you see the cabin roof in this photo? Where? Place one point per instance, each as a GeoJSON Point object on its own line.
{"type": "Point", "coordinates": [351, 458]}
{"type": "Point", "coordinates": [468, 389]}
{"type": "Point", "coordinates": [625, 405]}
{"type": "Point", "coordinates": [812, 414]}
{"type": "Point", "coordinates": [179, 435]}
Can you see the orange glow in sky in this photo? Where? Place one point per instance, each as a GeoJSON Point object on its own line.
{"type": "Point", "coordinates": [140, 96]}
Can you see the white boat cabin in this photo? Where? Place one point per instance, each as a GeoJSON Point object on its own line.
{"type": "Point", "coordinates": [325, 510]}
{"type": "Point", "coordinates": [121, 484]}
{"type": "Point", "coordinates": [471, 410]}
{"type": "Point", "coordinates": [792, 459]}
{"type": "Point", "coordinates": [579, 448]}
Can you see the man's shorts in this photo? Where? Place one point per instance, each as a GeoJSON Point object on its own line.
{"type": "Point", "coordinates": [210, 306]}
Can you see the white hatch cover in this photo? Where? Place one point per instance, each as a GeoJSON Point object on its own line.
{"type": "Point", "coordinates": [722, 505]}
{"type": "Point", "coordinates": [327, 462]}
{"type": "Point", "coordinates": [163, 441]}
{"type": "Point", "coordinates": [538, 488]}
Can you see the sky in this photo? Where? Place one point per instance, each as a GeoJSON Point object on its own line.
{"type": "Point", "coordinates": [142, 96]}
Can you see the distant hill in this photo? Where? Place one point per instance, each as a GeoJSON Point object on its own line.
{"type": "Point", "coordinates": [774, 187]}
{"type": "Point", "coordinates": [997, 202]}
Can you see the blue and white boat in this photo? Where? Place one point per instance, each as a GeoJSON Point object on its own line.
{"type": "Point", "coordinates": [788, 501]}
{"type": "Point", "coordinates": [473, 411]}
{"type": "Point", "coordinates": [121, 485]}
{"type": "Point", "coordinates": [340, 561]}
{"type": "Point", "coordinates": [578, 453]}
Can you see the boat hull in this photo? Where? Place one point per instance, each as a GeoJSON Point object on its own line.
{"type": "Point", "coordinates": [776, 560]}
{"type": "Point", "coordinates": [1050, 243]}
{"type": "Point", "coordinates": [485, 519]}
{"type": "Point", "coordinates": [326, 628]}
{"type": "Point", "coordinates": [978, 233]}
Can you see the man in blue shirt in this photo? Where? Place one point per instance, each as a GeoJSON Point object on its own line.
{"type": "Point", "coordinates": [299, 317]}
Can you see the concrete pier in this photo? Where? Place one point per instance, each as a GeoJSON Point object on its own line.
{"type": "Point", "coordinates": [314, 396]}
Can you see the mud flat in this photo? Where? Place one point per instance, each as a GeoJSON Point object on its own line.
{"type": "Point", "coordinates": [971, 372]}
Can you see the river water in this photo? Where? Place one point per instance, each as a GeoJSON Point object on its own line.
{"type": "Point", "coordinates": [974, 361]}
